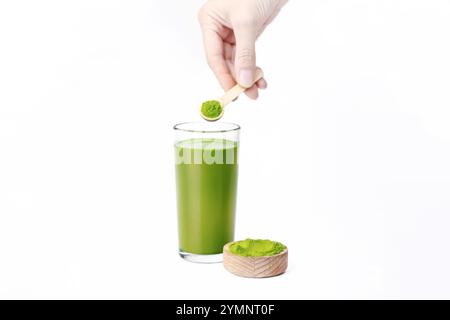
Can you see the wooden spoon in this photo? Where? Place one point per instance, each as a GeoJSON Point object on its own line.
{"type": "Point", "coordinates": [232, 94]}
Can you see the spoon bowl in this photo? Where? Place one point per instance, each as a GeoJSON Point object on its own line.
{"type": "Point", "coordinates": [230, 96]}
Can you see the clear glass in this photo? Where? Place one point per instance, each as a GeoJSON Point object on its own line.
{"type": "Point", "coordinates": [206, 166]}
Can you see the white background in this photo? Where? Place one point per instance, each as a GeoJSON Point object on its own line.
{"type": "Point", "coordinates": [345, 157]}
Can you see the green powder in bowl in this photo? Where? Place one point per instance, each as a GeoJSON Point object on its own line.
{"type": "Point", "coordinates": [211, 109]}
{"type": "Point", "coordinates": [256, 248]}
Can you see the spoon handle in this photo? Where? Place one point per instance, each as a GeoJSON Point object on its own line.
{"type": "Point", "coordinates": [234, 92]}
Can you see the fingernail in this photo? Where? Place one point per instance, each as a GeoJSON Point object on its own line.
{"type": "Point", "coordinates": [246, 78]}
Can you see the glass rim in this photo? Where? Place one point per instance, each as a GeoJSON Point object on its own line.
{"type": "Point", "coordinates": [233, 127]}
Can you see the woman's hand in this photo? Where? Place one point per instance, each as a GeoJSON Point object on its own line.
{"type": "Point", "coordinates": [230, 29]}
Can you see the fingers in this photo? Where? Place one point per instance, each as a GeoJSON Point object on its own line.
{"type": "Point", "coordinates": [245, 57]}
{"type": "Point", "coordinates": [231, 56]}
{"type": "Point", "coordinates": [253, 91]}
{"type": "Point", "coordinates": [213, 45]}
{"type": "Point", "coordinates": [261, 83]}
{"type": "Point", "coordinates": [214, 48]}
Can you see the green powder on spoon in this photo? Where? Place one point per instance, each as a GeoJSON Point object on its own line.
{"type": "Point", "coordinates": [211, 109]}
{"type": "Point", "coordinates": [256, 248]}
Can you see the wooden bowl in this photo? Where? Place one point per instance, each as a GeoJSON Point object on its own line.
{"type": "Point", "coordinates": [255, 267]}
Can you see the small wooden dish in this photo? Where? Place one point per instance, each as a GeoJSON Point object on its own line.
{"type": "Point", "coordinates": [255, 267]}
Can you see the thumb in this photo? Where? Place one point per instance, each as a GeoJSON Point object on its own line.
{"type": "Point", "coordinates": [245, 58]}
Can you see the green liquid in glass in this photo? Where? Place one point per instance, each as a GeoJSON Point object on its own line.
{"type": "Point", "coordinates": [206, 173]}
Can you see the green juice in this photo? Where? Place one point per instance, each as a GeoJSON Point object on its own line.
{"type": "Point", "coordinates": [206, 173]}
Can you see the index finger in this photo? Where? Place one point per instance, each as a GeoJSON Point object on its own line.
{"type": "Point", "coordinates": [215, 50]}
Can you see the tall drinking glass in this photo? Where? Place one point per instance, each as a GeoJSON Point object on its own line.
{"type": "Point", "coordinates": [206, 163]}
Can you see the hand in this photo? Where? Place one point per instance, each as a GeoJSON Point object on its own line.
{"type": "Point", "coordinates": [230, 29]}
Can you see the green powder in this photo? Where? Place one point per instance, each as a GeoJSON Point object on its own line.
{"type": "Point", "coordinates": [256, 248]}
{"type": "Point", "coordinates": [211, 109]}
